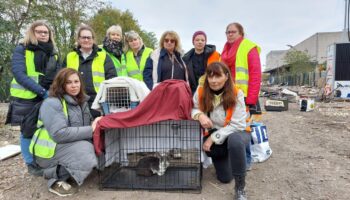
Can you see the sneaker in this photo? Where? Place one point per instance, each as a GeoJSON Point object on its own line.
{"type": "Point", "coordinates": [35, 170]}
{"type": "Point", "coordinates": [240, 195]}
{"type": "Point", "coordinates": [248, 167]}
{"type": "Point", "coordinates": [62, 189]}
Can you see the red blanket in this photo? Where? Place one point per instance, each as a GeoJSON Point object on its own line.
{"type": "Point", "coordinates": [170, 100]}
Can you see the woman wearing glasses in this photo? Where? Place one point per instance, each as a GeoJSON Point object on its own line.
{"type": "Point", "coordinates": [200, 56]}
{"type": "Point", "coordinates": [92, 63]}
{"type": "Point", "coordinates": [136, 55]}
{"type": "Point", "coordinates": [113, 45]}
{"type": "Point", "coordinates": [242, 57]}
{"type": "Point", "coordinates": [166, 63]}
{"type": "Point", "coordinates": [34, 66]}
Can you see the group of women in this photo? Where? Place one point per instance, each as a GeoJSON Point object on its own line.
{"type": "Point", "coordinates": [62, 146]}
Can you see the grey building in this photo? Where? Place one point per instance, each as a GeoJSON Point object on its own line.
{"type": "Point", "coordinates": [315, 45]}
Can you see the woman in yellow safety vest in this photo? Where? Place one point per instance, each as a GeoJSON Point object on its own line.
{"type": "Point", "coordinates": [136, 55]}
{"type": "Point", "coordinates": [113, 45]}
{"type": "Point", "coordinates": [219, 107]}
{"type": "Point", "coordinates": [93, 64]}
{"type": "Point", "coordinates": [34, 65]}
{"type": "Point", "coordinates": [62, 143]}
{"type": "Point", "coordinates": [242, 57]}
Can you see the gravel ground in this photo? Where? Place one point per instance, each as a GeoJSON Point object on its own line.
{"type": "Point", "coordinates": [311, 160]}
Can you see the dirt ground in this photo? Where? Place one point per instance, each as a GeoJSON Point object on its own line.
{"type": "Point", "coordinates": [310, 160]}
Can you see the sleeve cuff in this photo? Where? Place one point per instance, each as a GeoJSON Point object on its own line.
{"type": "Point", "coordinates": [216, 137]}
{"type": "Point", "coordinates": [196, 116]}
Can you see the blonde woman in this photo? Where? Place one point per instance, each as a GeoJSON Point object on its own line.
{"type": "Point", "coordinates": [34, 66]}
{"type": "Point", "coordinates": [113, 45]}
{"type": "Point", "coordinates": [136, 55]}
{"type": "Point", "coordinates": [166, 63]}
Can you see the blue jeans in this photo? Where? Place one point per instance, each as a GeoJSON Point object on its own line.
{"type": "Point", "coordinates": [27, 156]}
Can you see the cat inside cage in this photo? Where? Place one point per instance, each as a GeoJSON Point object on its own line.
{"type": "Point", "coordinates": [161, 155]}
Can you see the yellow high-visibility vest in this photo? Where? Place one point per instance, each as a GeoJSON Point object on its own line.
{"type": "Point", "coordinates": [242, 73]}
{"type": "Point", "coordinates": [42, 145]}
{"type": "Point", "coordinates": [98, 69]}
{"type": "Point", "coordinates": [18, 90]}
{"type": "Point", "coordinates": [136, 71]}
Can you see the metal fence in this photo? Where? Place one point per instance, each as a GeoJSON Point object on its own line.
{"type": "Point", "coordinates": [308, 78]}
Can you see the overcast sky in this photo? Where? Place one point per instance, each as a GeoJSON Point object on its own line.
{"type": "Point", "coordinates": [270, 23]}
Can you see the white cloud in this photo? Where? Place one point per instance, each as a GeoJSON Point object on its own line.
{"type": "Point", "coordinates": [270, 23]}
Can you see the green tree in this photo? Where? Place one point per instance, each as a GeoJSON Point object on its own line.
{"type": "Point", "coordinates": [65, 16]}
{"type": "Point", "coordinates": [109, 16]}
{"type": "Point", "coordinates": [13, 17]}
{"type": "Point", "coordinates": [299, 62]}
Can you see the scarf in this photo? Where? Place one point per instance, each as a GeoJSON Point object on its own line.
{"type": "Point", "coordinates": [113, 47]}
{"type": "Point", "coordinates": [228, 55]}
{"type": "Point", "coordinates": [42, 53]}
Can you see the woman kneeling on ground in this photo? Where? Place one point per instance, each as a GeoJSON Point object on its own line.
{"type": "Point", "coordinates": [219, 106]}
{"type": "Point", "coordinates": [63, 145]}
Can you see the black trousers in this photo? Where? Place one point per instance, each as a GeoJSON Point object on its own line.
{"type": "Point", "coordinates": [235, 163]}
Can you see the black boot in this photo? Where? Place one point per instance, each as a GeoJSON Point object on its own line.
{"type": "Point", "coordinates": [239, 188]}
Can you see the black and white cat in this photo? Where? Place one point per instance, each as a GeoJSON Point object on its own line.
{"type": "Point", "coordinates": [156, 164]}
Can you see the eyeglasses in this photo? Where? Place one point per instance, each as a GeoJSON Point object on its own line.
{"type": "Point", "coordinates": [86, 37]}
{"type": "Point", "coordinates": [231, 32]}
{"type": "Point", "coordinates": [41, 32]}
{"type": "Point", "coordinates": [169, 40]}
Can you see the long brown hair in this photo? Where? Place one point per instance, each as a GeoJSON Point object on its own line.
{"type": "Point", "coordinates": [229, 97]}
{"type": "Point", "coordinates": [57, 88]}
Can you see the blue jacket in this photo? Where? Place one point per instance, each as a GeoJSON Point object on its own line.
{"type": "Point", "coordinates": [20, 107]}
{"type": "Point", "coordinates": [148, 71]}
{"type": "Point", "coordinates": [19, 72]}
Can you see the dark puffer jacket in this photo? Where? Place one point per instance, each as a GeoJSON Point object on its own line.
{"type": "Point", "coordinates": [20, 107]}
{"type": "Point", "coordinates": [198, 72]}
{"type": "Point", "coordinates": [85, 69]}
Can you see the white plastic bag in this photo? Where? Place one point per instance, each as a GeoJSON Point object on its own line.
{"type": "Point", "coordinates": [259, 146]}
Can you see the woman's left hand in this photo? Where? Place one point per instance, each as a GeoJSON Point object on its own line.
{"type": "Point", "coordinates": [207, 144]}
{"type": "Point", "coordinates": [94, 123]}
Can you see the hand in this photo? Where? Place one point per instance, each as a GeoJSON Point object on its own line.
{"type": "Point", "coordinates": [205, 121]}
{"type": "Point", "coordinates": [94, 123]}
{"type": "Point", "coordinates": [207, 144]}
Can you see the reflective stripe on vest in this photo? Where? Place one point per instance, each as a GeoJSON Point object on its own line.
{"type": "Point", "coordinates": [135, 71]}
{"type": "Point", "coordinates": [242, 74]}
{"type": "Point", "coordinates": [97, 68]}
{"type": "Point", "coordinates": [120, 66]}
{"type": "Point", "coordinates": [42, 144]}
{"type": "Point", "coordinates": [18, 90]}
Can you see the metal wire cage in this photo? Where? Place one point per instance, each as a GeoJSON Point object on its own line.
{"type": "Point", "coordinates": [117, 100]}
{"type": "Point", "coordinates": [161, 156]}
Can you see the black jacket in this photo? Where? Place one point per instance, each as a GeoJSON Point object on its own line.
{"type": "Point", "coordinates": [188, 57]}
{"type": "Point", "coordinates": [85, 69]}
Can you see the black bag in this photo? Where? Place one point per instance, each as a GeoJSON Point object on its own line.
{"type": "Point", "coordinates": [216, 151]}
{"type": "Point", "coordinates": [29, 122]}
{"type": "Point", "coordinates": [255, 109]}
